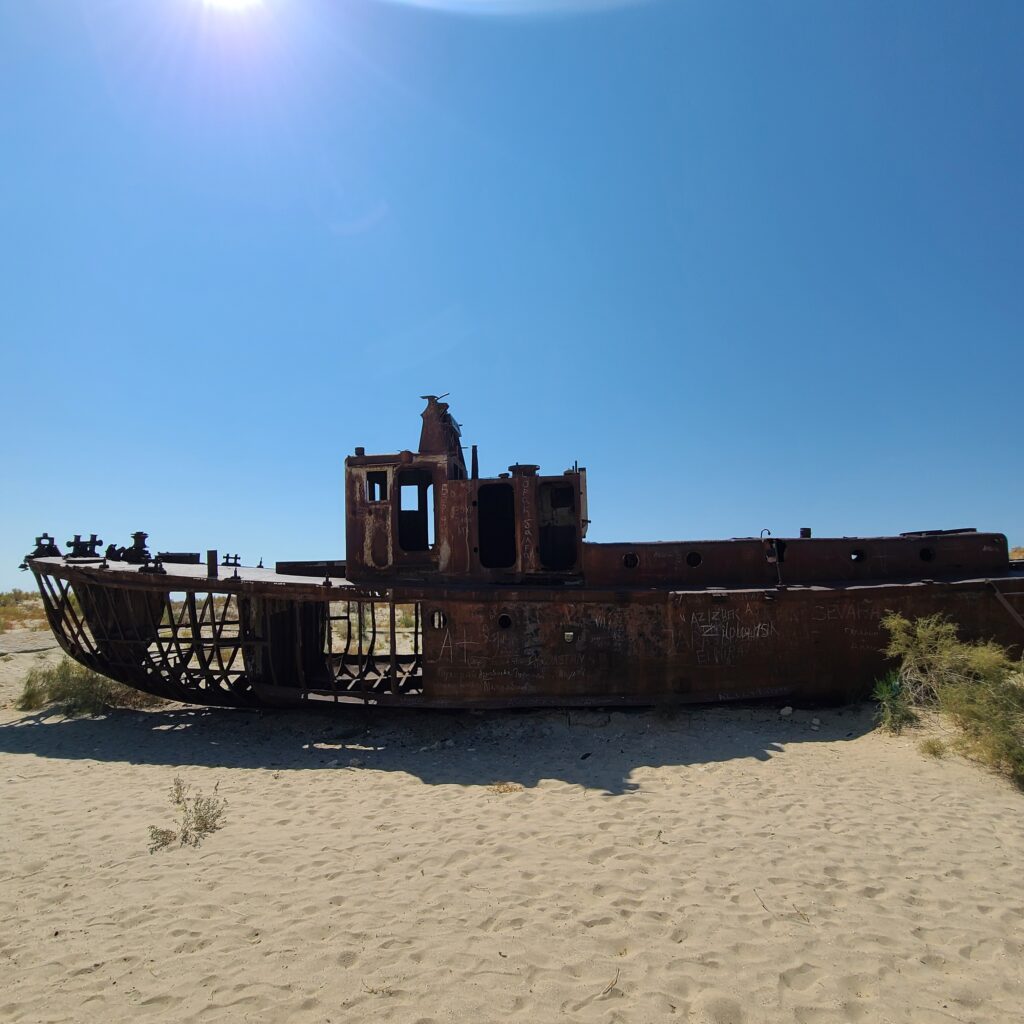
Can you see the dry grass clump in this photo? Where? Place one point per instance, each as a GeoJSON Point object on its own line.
{"type": "Point", "coordinates": [79, 691]}
{"type": "Point", "coordinates": [199, 816]}
{"type": "Point", "coordinates": [20, 608]}
{"type": "Point", "coordinates": [979, 686]}
{"type": "Point", "coordinates": [932, 747]}
{"type": "Point", "coordinates": [505, 787]}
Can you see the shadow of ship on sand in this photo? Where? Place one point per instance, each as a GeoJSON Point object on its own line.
{"type": "Point", "coordinates": [594, 749]}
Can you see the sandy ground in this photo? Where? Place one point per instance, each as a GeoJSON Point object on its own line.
{"type": "Point", "coordinates": [718, 865]}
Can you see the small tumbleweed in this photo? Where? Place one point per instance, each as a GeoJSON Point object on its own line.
{"type": "Point", "coordinates": [199, 816]}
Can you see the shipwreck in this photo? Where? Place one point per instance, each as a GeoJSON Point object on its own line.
{"type": "Point", "coordinates": [463, 591]}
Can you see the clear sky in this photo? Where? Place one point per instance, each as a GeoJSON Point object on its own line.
{"type": "Point", "coordinates": [753, 264]}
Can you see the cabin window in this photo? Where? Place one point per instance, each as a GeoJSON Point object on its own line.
{"type": "Point", "coordinates": [561, 496]}
{"type": "Point", "coordinates": [559, 530]}
{"type": "Point", "coordinates": [496, 526]}
{"type": "Point", "coordinates": [377, 486]}
{"type": "Point", "coordinates": [415, 510]}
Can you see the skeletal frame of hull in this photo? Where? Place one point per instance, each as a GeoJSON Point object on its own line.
{"type": "Point", "coordinates": [266, 639]}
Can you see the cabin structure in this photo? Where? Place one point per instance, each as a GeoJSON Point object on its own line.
{"type": "Point", "coordinates": [421, 514]}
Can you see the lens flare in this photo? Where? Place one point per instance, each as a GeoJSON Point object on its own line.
{"type": "Point", "coordinates": [519, 7]}
{"type": "Point", "coordinates": [232, 5]}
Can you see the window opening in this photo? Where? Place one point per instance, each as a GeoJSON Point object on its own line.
{"type": "Point", "coordinates": [496, 526]}
{"type": "Point", "coordinates": [559, 529]}
{"type": "Point", "coordinates": [561, 496]}
{"type": "Point", "coordinates": [415, 510]}
{"type": "Point", "coordinates": [377, 486]}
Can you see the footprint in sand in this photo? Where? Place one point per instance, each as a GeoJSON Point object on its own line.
{"type": "Point", "coordinates": [718, 1008]}
{"type": "Point", "coordinates": [800, 977]}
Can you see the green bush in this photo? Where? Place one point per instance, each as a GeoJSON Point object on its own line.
{"type": "Point", "coordinates": [932, 657]}
{"type": "Point", "coordinates": [894, 710]}
{"type": "Point", "coordinates": [79, 691]}
{"type": "Point", "coordinates": [978, 686]}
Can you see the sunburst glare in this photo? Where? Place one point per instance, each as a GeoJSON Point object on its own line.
{"type": "Point", "coordinates": [514, 7]}
{"type": "Point", "coordinates": [232, 5]}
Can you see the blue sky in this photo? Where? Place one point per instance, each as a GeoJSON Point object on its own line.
{"type": "Point", "coordinates": [754, 265]}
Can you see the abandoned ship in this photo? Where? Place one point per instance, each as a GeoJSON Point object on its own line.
{"type": "Point", "coordinates": [458, 591]}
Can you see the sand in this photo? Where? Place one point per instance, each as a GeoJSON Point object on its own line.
{"type": "Point", "coordinates": [717, 865]}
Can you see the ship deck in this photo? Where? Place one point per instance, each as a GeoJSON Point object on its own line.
{"type": "Point", "coordinates": [258, 580]}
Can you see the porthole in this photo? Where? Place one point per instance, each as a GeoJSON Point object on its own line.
{"type": "Point", "coordinates": [693, 559]}
{"type": "Point", "coordinates": [504, 621]}
{"type": "Point", "coordinates": [857, 555]}
{"type": "Point", "coordinates": [438, 619]}
{"type": "Point", "coordinates": [927, 554]}
{"type": "Point", "coordinates": [630, 560]}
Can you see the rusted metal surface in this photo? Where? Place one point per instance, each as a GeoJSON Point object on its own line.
{"type": "Point", "coordinates": [459, 590]}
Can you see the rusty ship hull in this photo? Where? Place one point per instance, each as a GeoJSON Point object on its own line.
{"type": "Point", "coordinates": [459, 591]}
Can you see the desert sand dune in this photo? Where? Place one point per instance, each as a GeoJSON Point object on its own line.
{"type": "Point", "coordinates": [718, 865]}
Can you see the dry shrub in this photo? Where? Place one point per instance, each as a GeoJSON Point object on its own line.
{"type": "Point", "coordinates": [991, 719]}
{"type": "Point", "coordinates": [932, 657]}
{"type": "Point", "coordinates": [199, 816]}
{"type": "Point", "coordinates": [79, 691]}
{"type": "Point", "coordinates": [20, 608]}
{"type": "Point", "coordinates": [34, 694]}
{"type": "Point", "coordinates": [505, 787]}
{"type": "Point", "coordinates": [932, 747]}
{"type": "Point", "coordinates": [979, 686]}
